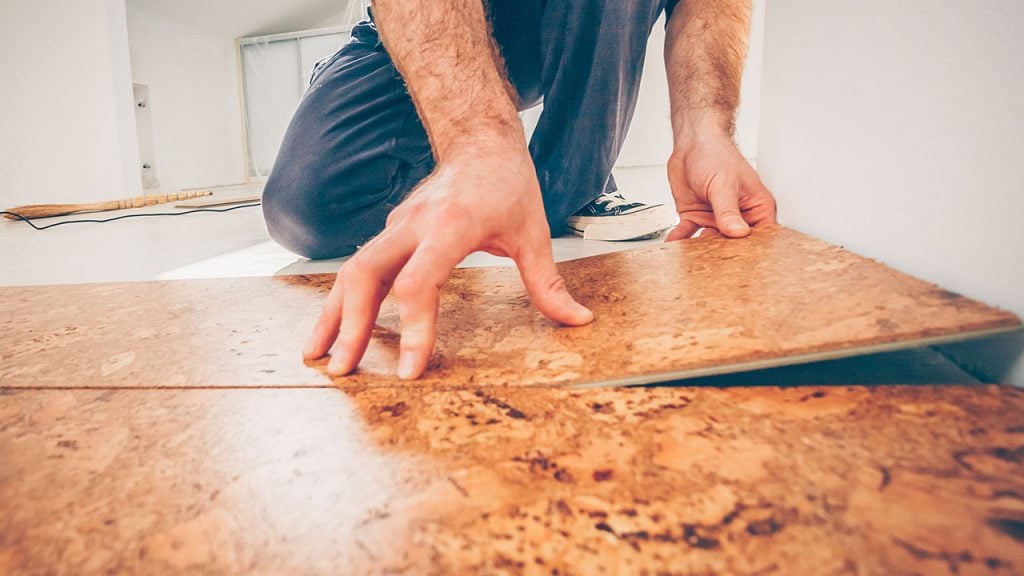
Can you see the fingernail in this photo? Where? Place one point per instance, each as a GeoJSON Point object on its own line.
{"type": "Point", "coordinates": [406, 366]}
{"type": "Point", "coordinates": [341, 363]}
{"type": "Point", "coordinates": [310, 348]}
{"type": "Point", "coordinates": [586, 315]}
{"type": "Point", "coordinates": [736, 225]}
{"type": "Point", "coordinates": [333, 367]}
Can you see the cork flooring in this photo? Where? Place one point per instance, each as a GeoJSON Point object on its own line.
{"type": "Point", "coordinates": [805, 480]}
{"type": "Point", "coordinates": [683, 309]}
{"type": "Point", "coordinates": [169, 428]}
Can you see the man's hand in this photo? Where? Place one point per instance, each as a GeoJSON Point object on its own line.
{"type": "Point", "coordinates": [482, 195]}
{"type": "Point", "coordinates": [712, 184]}
{"type": "Point", "coordinates": [715, 187]}
{"type": "Point", "coordinates": [443, 221]}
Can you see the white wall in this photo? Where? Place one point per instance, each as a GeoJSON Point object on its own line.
{"type": "Point", "coordinates": [67, 124]}
{"type": "Point", "coordinates": [349, 13]}
{"type": "Point", "coordinates": [649, 141]}
{"type": "Point", "coordinates": [895, 129]}
{"type": "Point", "coordinates": [192, 75]}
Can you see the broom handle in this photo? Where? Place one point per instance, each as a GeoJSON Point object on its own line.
{"type": "Point", "coordinates": [140, 201]}
{"type": "Point", "coordinates": [50, 210]}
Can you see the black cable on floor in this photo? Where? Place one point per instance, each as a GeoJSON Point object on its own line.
{"type": "Point", "coordinates": [84, 221]}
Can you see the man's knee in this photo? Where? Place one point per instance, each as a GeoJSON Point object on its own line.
{"type": "Point", "coordinates": [320, 217]}
{"type": "Point", "coordinates": [347, 157]}
{"type": "Point", "coordinates": [301, 226]}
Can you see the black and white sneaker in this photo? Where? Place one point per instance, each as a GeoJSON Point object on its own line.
{"type": "Point", "coordinates": [612, 217]}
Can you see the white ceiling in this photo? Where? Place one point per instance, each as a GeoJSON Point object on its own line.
{"type": "Point", "coordinates": [242, 18]}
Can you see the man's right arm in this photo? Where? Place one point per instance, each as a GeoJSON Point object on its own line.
{"type": "Point", "coordinates": [482, 195]}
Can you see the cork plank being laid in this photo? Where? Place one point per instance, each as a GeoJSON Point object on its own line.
{"type": "Point", "coordinates": [685, 309]}
{"type": "Point", "coordinates": [827, 480]}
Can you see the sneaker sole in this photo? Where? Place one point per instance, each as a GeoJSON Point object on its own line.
{"type": "Point", "coordinates": [641, 225]}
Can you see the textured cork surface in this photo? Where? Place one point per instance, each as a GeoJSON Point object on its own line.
{"type": "Point", "coordinates": [828, 480]}
{"type": "Point", "coordinates": [688, 308]}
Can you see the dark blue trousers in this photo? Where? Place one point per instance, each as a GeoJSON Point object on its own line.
{"type": "Point", "coordinates": [355, 147]}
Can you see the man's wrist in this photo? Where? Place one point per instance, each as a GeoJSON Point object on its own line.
{"type": "Point", "coordinates": [700, 127]}
{"type": "Point", "coordinates": [500, 141]}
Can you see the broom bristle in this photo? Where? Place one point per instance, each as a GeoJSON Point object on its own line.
{"type": "Point", "coordinates": [49, 210]}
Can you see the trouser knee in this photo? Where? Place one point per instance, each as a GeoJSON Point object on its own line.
{"type": "Point", "coordinates": [312, 231]}
{"type": "Point", "coordinates": [352, 152]}
{"type": "Point", "coordinates": [325, 214]}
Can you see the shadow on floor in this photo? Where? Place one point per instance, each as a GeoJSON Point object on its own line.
{"type": "Point", "coordinates": [916, 366]}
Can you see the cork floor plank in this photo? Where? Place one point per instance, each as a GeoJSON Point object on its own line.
{"type": "Point", "coordinates": [686, 309]}
{"type": "Point", "coordinates": [803, 480]}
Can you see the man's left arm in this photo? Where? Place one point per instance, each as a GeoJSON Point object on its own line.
{"type": "Point", "coordinates": [712, 183]}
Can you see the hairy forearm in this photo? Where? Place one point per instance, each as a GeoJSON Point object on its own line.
{"type": "Point", "coordinates": [453, 70]}
{"type": "Point", "coordinates": [706, 44]}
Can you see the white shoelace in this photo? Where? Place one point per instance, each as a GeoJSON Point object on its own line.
{"type": "Point", "coordinates": [612, 199]}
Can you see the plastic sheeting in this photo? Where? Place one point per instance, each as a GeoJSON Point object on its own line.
{"type": "Point", "coordinates": [275, 74]}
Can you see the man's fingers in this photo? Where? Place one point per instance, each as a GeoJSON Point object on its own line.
{"type": "Point", "coordinates": [418, 291]}
{"type": "Point", "coordinates": [365, 281]}
{"type": "Point", "coordinates": [326, 330]}
{"type": "Point", "coordinates": [546, 286]}
{"type": "Point", "coordinates": [363, 294]}
{"type": "Point", "coordinates": [765, 212]}
{"type": "Point", "coordinates": [693, 214]}
{"type": "Point", "coordinates": [685, 229]}
{"type": "Point", "coordinates": [725, 202]}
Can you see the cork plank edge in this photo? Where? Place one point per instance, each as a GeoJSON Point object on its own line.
{"type": "Point", "coordinates": [824, 355]}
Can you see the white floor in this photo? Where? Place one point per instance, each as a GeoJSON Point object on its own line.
{"type": "Point", "coordinates": [211, 245]}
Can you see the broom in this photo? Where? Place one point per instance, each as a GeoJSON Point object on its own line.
{"type": "Point", "coordinates": [33, 211]}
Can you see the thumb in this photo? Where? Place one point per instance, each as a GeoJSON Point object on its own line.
{"type": "Point", "coordinates": [725, 202]}
{"type": "Point", "coordinates": [547, 289]}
